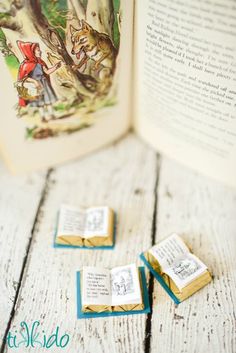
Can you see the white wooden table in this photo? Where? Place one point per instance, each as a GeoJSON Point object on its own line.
{"type": "Point", "coordinates": [153, 197]}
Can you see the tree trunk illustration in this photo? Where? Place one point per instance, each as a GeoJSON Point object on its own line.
{"type": "Point", "coordinates": [77, 7]}
{"type": "Point", "coordinates": [100, 15]}
{"type": "Point", "coordinates": [12, 25]}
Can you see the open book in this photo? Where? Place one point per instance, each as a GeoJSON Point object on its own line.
{"type": "Point", "coordinates": [118, 290]}
{"type": "Point", "coordinates": [76, 75]}
{"type": "Point", "coordinates": [92, 227]}
{"type": "Point", "coordinates": [179, 271]}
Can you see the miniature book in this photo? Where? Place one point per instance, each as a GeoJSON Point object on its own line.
{"type": "Point", "coordinates": [89, 228]}
{"type": "Point", "coordinates": [179, 271]}
{"type": "Point", "coordinates": [77, 75]}
{"type": "Point", "coordinates": [121, 290]}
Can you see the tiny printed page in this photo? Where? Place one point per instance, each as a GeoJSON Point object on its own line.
{"type": "Point", "coordinates": [168, 250]}
{"type": "Point", "coordinates": [185, 270]}
{"type": "Point", "coordinates": [78, 222]}
{"type": "Point", "coordinates": [71, 221]}
{"type": "Point", "coordinates": [125, 285]}
{"type": "Point", "coordinates": [96, 286]}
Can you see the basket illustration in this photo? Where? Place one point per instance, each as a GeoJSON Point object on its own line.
{"type": "Point", "coordinates": [28, 89]}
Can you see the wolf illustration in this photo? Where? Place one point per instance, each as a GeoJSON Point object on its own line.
{"type": "Point", "coordinates": [91, 44]}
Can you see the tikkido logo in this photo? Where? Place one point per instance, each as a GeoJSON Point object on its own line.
{"type": "Point", "coordinates": [34, 337]}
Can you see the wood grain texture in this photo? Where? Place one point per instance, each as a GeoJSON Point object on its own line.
{"type": "Point", "coordinates": [19, 200]}
{"type": "Point", "coordinates": [203, 212]}
{"type": "Point", "coordinates": [122, 176]}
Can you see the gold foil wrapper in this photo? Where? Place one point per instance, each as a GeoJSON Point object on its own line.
{"type": "Point", "coordinates": [96, 308]}
{"type": "Point", "coordinates": [185, 292]}
{"type": "Point", "coordinates": [94, 241]}
{"type": "Point", "coordinates": [108, 308]}
{"type": "Point", "coordinates": [128, 307]}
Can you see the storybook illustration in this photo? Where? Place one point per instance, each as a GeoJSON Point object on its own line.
{"type": "Point", "coordinates": [122, 282]}
{"type": "Point", "coordinates": [95, 220]}
{"type": "Point", "coordinates": [185, 267]}
{"type": "Point", "coordinates": [62, 56]}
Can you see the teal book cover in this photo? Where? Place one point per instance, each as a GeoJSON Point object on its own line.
{"type": "Point", "coordinates": [160, 279]}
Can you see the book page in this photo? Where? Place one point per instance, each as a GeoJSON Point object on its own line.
{"type": "Point", "coordinates": [177, 261]}
{"type": "Point", "coordinates": [168, 250]}
{"type": "Point", "coordinates": [186, 73]}
{"type": "Point", "coordinates": [96, 286]}
{"type": "Point", "coordinates": [125, 285]}
{"type": "Point", "coordinates": [96, 221]}
{"type": "Point", "coordinates": [85, 223]}
{"type": "Point", "coordinates": [62, 93]}
{"type": "Point", "coordinates": [71, 221]}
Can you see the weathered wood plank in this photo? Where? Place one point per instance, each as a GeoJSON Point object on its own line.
{"type": "Point", "coordinates": [203, 212]}
{"type": "Point", "coordinates": [122, 176]}
{"type": "Point", "coordinates": [19, 200]}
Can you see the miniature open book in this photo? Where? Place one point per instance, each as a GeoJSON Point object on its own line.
{"type": "Point", "coordinates": [179, 271]}
{"type": "Point", "coordinates": [118, 291]}
{"type": "Point", "coordinates": [92, 227]}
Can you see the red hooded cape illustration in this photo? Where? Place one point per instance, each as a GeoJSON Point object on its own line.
{"type": "Point", "coordinates": [28, 65]}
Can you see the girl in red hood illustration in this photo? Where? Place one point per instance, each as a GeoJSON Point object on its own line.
{"type": "Point", "coordinates": [35, 70]}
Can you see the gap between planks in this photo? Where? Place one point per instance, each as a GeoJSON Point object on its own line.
{"type": "Point", "coordinates": [12, 314]}
{"type": "Point", "coordinates": [148, 327]}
